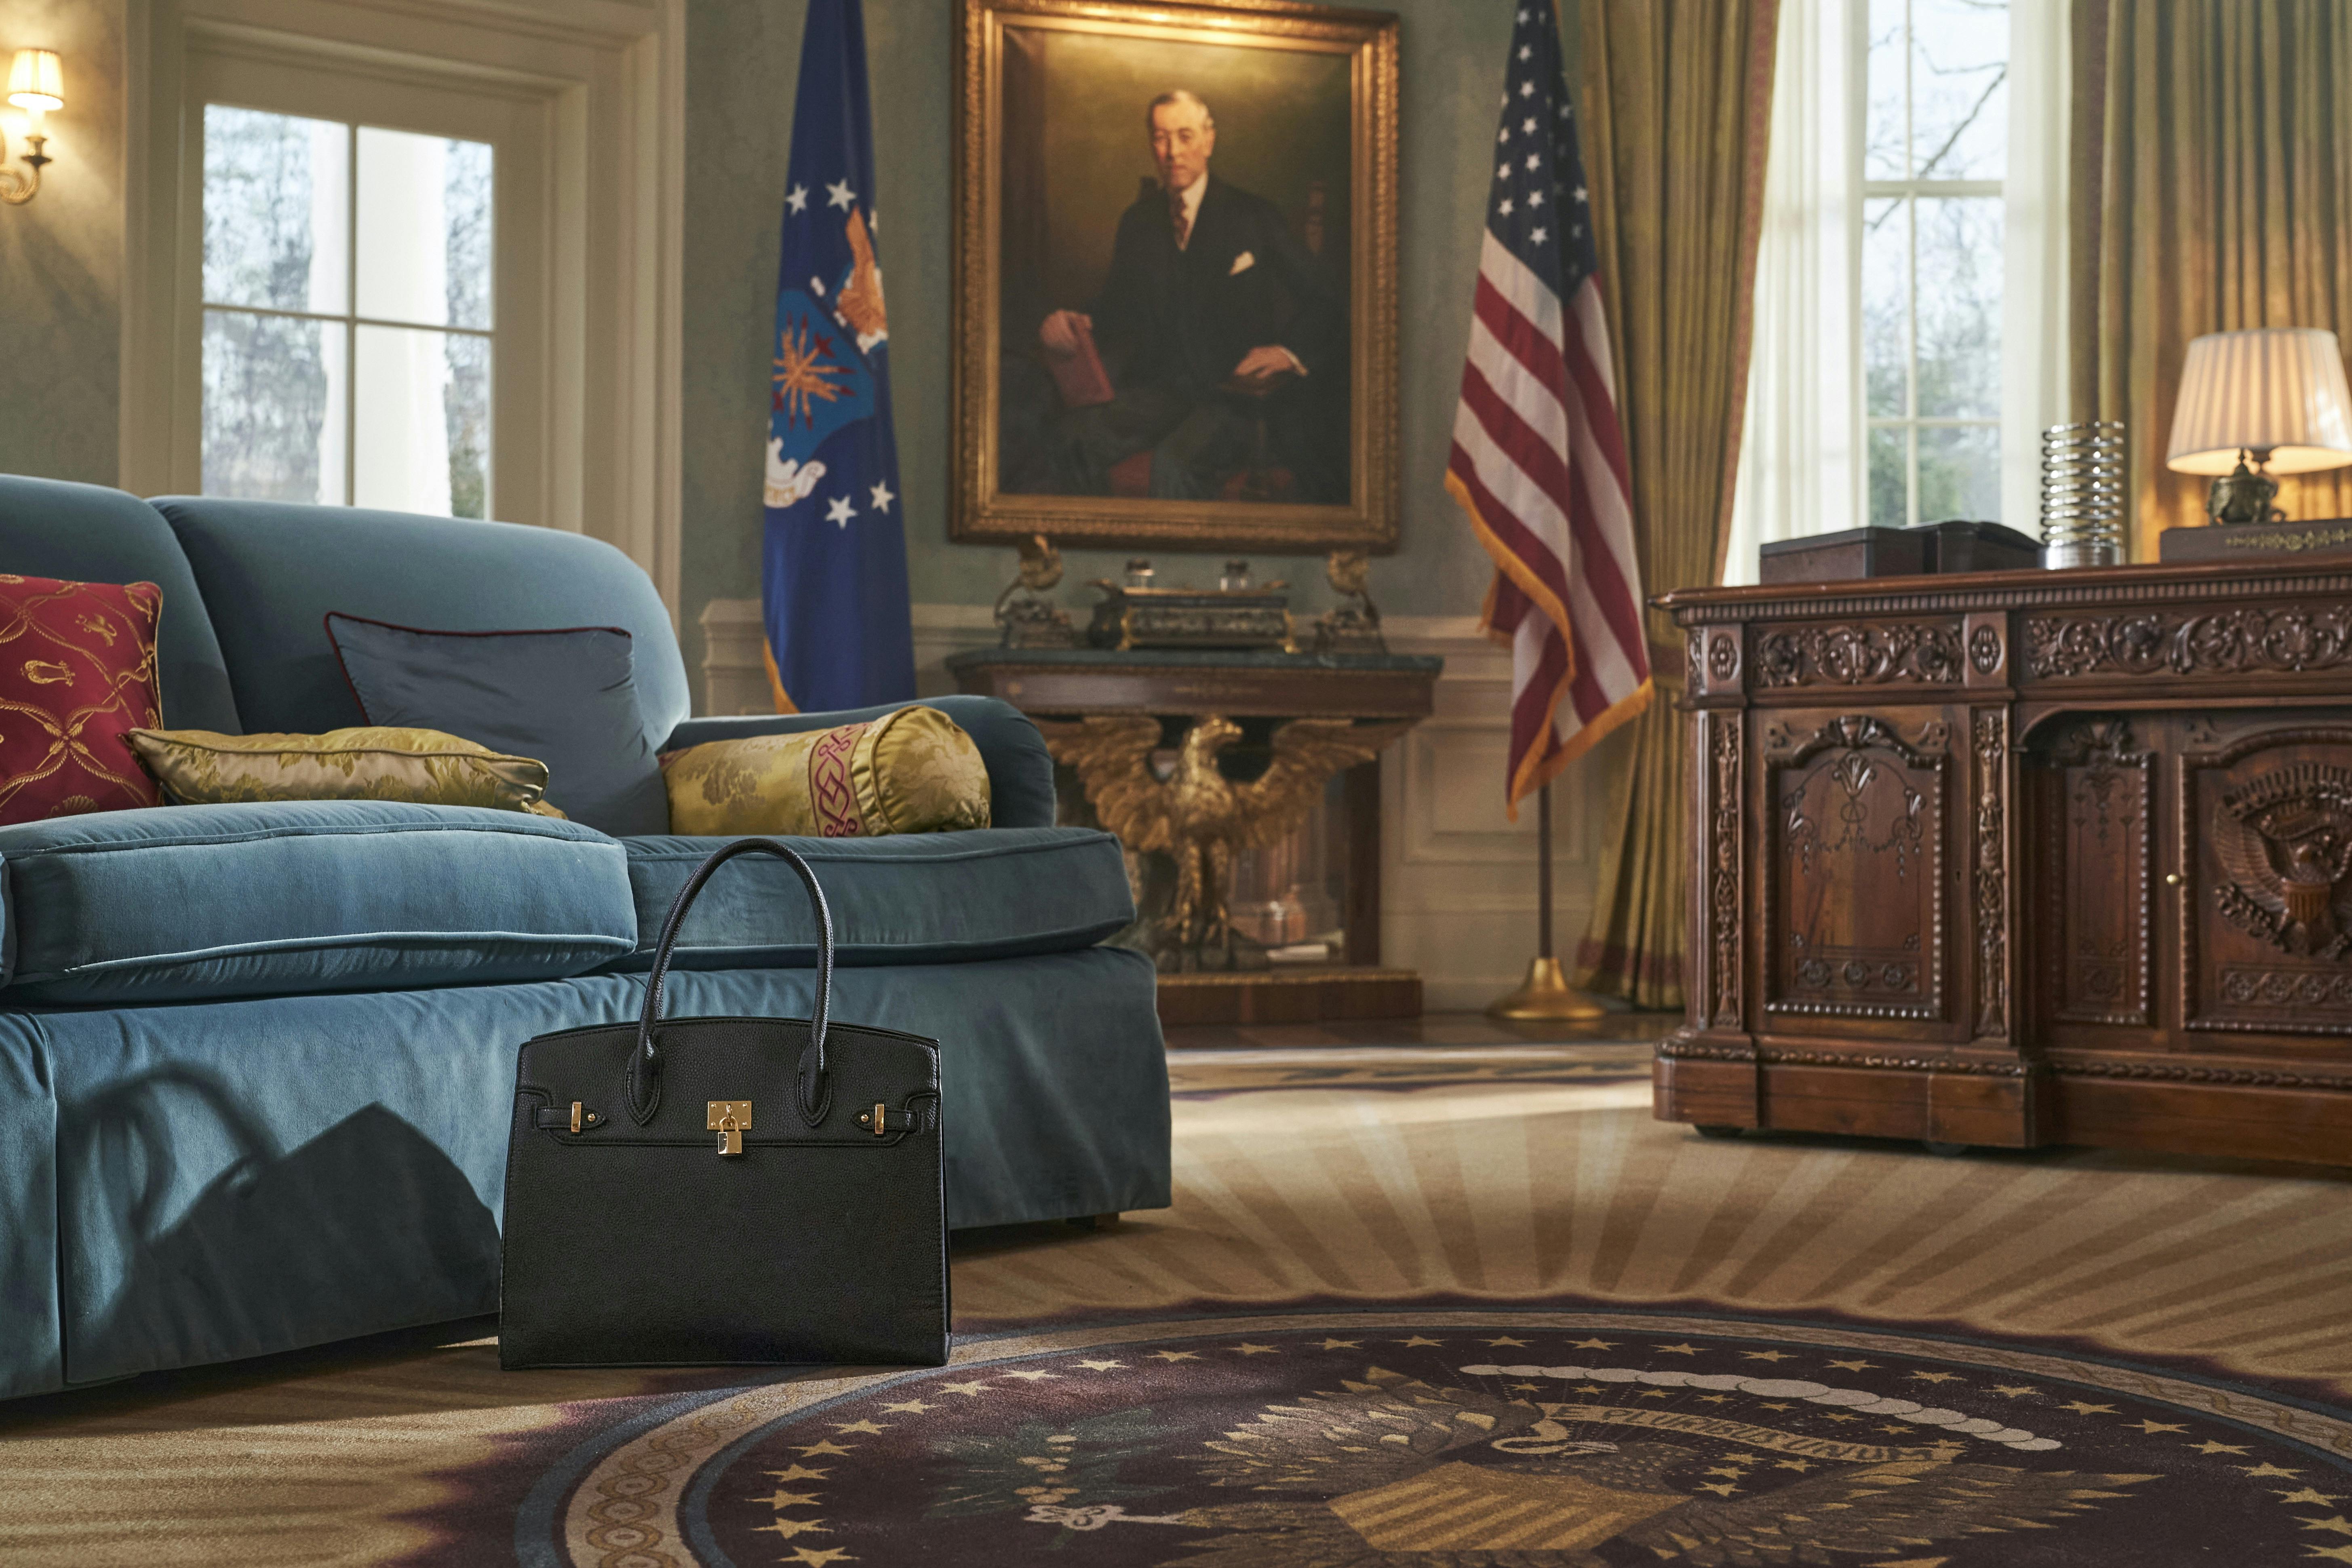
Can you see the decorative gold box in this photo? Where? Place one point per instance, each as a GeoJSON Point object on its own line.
{"type": "Point", "coordinates": [1189, 617]}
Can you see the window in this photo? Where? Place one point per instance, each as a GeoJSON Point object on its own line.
{"type": "Point", "coordinates": [348, 344]}
{"type": "Point", "coordinates": [1934, 150]}
{"type": "Point", "coordinates": [1910, 338]}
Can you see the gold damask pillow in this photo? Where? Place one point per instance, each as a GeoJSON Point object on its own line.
{"type": "Point", "coordinates": [913, 770]}
{"type": "Point", "coordinates": [424, 767]}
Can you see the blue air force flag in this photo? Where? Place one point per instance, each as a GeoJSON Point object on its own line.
{"type": "Point", "coordinates": [834, 575]}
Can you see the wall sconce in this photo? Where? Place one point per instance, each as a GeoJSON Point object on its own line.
{"type": "Point", "coordinates": [35, 85]}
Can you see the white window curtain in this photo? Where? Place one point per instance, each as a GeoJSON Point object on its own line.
{"type": "Point", "coordinates": [2033, 325]}
{"type": "Point", "coordinates": [1801, 465]}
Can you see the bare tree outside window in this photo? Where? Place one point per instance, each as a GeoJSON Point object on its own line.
{"type": "Point", "coordinates": [348, 332]}
{"type": "Point", "coordinates": [1934, 153]}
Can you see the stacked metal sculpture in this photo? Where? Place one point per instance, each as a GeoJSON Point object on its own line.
{"type": "Point", "coordinates": [2082, 494]}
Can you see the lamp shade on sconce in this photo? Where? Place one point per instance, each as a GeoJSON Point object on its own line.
{"type": "Point", "coordinates": [2278, 393]}
{"type": "Point", "coordinates": [37, 81]}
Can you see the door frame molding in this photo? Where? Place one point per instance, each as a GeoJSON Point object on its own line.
{"type": "Point", "coordinates": [613, 75]}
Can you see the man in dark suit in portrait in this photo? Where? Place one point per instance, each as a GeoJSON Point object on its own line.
{"type": "Point", "coordinates": [1222, 332]}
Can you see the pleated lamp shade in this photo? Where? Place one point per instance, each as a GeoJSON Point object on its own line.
{"type": "Point", "coordinates": [2279, 389]}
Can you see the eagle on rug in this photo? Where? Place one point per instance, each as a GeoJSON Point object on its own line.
{"type": "Point", "coordinates": [1401, 1473]}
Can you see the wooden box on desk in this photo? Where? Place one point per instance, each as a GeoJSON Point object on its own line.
{"type": "Point", "coordinates": [1850, 552]}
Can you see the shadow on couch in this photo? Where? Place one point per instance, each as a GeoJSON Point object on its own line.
{"type": "Point", "coordinates": [283, 1248]}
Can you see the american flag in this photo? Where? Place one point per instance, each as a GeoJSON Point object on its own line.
{"type": "Point", "coordinates": [1538, 461]}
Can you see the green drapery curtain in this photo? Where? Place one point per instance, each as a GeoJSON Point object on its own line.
{"type": "Point", "coordinates": [2224, 202]}
{"type": "Point", "coordinates": [1676, 100]}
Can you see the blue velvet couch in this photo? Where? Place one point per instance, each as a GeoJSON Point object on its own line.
{"type": "Point", "coordinates": [256, 1061]}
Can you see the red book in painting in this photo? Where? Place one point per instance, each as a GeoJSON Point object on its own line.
{"type": "Point", "coordinates": [1081, 377]}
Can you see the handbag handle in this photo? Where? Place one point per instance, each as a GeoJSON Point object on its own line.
{"type": "Point", "coordinates": [645, 1064]}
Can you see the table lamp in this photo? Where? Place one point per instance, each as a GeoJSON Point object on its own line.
{"type": "Point", "coordinates": [2273, 398]}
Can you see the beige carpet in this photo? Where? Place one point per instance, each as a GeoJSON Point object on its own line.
{"type": "Point", "coordinates": [1452, 1188]}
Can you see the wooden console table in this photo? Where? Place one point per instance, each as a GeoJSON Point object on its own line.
{"type": "Point", "coordinates": [2023, 858]}
{"type": "Point", "coordinates": [1183, 688]}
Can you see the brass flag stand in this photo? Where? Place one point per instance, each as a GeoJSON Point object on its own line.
{"type": "Point", "coordinates": [1545, 994]}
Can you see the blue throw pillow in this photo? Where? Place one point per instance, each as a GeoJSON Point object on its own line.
{"type": "Point", "coordinates": [566, 698]}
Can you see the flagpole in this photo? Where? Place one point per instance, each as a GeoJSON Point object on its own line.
{"type": "Point", "coordinates": [1545, 994]}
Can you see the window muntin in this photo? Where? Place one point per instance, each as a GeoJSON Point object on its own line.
{"type": "Point", "coordinates": [1934, 149]}
{"type": "Point", "coordinates": [348, 339]}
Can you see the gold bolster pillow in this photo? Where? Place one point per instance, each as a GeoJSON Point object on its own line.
{"type": "Point", "coordinates": [913, 770]}
{"type": "Point", "coordinates": [424, 767]}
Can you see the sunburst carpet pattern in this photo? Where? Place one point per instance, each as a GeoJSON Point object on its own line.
{"type": "Point", "coordinates": [1428, 1308]}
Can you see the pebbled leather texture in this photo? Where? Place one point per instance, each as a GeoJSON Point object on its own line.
{"type": "Point", "coordinates": [635, 1242]}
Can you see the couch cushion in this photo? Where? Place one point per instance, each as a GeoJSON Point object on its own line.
{"type": "Point", "coordinates": [921, 898]}
{"type": "Point", "coordinates": [567, 697]}
{"type": "Point", "coordinates": [283, 567]}
{"type": "Point", "coordinates": [173, 903]}
{"type": "Point", "coordinates": [89, 533]}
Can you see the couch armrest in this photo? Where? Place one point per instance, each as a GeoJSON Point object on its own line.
{"type": "Point", "coordinates": [1020, 769]}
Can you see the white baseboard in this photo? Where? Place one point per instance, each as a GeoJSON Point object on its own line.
{"type": "Point", "coordinates": [1457, 877]}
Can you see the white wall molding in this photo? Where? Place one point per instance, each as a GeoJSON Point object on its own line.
{"type": "Point", "coordinates": [609, 79]}
{"type": "Point", "coordinates": [1458, 877]}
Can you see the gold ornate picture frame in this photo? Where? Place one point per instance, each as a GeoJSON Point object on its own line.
{"type": "Point", "coordinates": [1119, 424]}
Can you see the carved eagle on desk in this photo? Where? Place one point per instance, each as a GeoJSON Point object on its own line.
{"type": "Point", "coordinates": [1195, 814]}
{"type": "Point", "coordinates": [2286, 842]}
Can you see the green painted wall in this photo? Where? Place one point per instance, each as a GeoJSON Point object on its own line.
{"type": "Point", "coordinates": [743, 61]}
{"type": "Point", "coordinates": [62, 254]}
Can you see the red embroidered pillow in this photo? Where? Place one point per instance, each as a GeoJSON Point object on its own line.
{"type": "Point", "coordinates": [77, 670]}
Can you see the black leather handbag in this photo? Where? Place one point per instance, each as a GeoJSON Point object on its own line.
{"type": "Point", "coordinates": [711, 1191]}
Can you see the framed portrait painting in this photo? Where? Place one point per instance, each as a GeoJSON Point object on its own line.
{"type": "Point", "coordinates": [1176, 275]}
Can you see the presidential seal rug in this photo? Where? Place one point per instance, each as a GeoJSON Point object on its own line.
{"type": "Point", "coordinates": [1437, 1306]}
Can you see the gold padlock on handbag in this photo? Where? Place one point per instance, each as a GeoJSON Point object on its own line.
{"type": "Point", "coordinates": [731, 1119]}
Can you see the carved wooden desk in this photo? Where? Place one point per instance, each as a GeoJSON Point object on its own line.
{"type": "Point", "coordinates": [2023, 858]}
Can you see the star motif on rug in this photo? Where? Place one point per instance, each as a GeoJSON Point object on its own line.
{"type": "Point", "coordinates": [1032, 1375]}
{"type": "Point", "coordinates": [1342, 1345]}
{"type": "Point", "coordinates": [2014, 1390]}
{"type": "Point", "coordinates": [1505, 1340]}
{"type": "Point", "coordinates": [2080, 1408]}
{"type": "Point", "coordinates": [783, 1499]}
{"type": "Point", "coordinates": [1593, 1345]}
{"type": "Point", "coordinates": [2339, 1524]}
{"type": "Point", "coordinates": [1177, 1355]}
{"type": "Point", "coordinates": [907, 1407]}
{"type": "Point", "coordinates": [2153, 1427]}
{"type": "Point", "coordinates": [823, 1446]}
{"type": "Point", "coordinates": [2267, 1469]}
{"type": "Point", "coordinates": [2211, 1448]}
{"type": "Point", "coordinates": [1766, 1355]}
{"type": "Point", "coordinates": [970, 1390]}
{"type": "Point", "coordinates": [799, 1473]}
{"type": "Point", "coordinates": [788, 1528]}
{"type": "Point", "coordinates": [815, 1557]}
{"type": "Point", "coordinates": [1256, 1350]}
{"type": "Point", "coordinates": [2308, 1495]}
{"type": "Point", "coordinates": [1855, 1365]}
{"type": "Point", "coordinates": [1416, 1340]}
{"type": "Point", "coordinates": [2332, 1553]}
{"type": "Point", "coordinates": [1678, 1350]}
{"type": "Point", "coordinates": [858, 1427]}
{"type": "Point", "coordinates": [1935, 1376]}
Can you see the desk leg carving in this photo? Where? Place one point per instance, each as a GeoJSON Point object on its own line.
{"type": "Point", "coordinates": [1728, 801]}
{"type": "Point", "coordinates": [1992, 738]}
